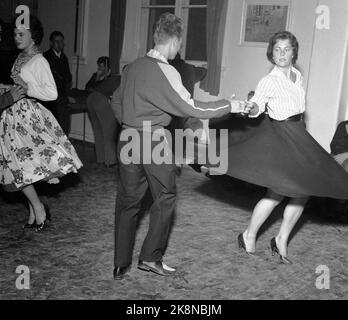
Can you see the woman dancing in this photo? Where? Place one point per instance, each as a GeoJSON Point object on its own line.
{"type": "Point", "coordinates": [281, 155]}
{"type": "Point", "coordinates": [33, 147]}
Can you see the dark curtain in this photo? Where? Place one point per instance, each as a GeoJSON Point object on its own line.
{"type": "Point", "coordinates": [216, 23]}
{"type": "Point", "coordinates": [117, 26]}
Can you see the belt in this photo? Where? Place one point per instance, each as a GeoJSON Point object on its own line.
{"type": "Point", "coordinates": [295, 118]}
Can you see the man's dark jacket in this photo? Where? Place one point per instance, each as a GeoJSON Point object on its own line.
{"type": "Point", "coordinates": [60, 70]}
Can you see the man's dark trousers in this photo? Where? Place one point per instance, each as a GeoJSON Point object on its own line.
{"type": "Point", "coordinates": [134, 181]}
{"type": "Point", "coordinates": [60, 110]}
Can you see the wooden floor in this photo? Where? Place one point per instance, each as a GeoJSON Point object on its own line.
{"type": "Point", "coordinates": [73, 258]}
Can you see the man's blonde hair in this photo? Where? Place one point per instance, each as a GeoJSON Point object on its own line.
{"type": "Point", "coordinates": [167, 27]}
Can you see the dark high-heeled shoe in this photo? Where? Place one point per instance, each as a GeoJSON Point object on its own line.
{"type": "Point", "coordinates": [274, 249]}
{"type": "Point", "coordinates": [241, 244]}
{"type": "Point", "coordinates": [43, 225]}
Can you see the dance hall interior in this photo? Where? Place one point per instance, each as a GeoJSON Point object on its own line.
{"type": "Point", "coordinates": [173, 150]}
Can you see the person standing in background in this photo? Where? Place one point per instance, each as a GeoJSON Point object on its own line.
{"type": "Point", "coordinates": [62, 76]}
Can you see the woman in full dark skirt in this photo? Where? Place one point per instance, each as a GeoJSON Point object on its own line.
{"type": "Point", "coordinates": [281, 155]}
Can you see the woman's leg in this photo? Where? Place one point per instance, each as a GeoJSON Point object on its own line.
{"type": "Point", "coordinates": [261, 212]}
{"type": "Point", "coordinates": [292, 213]}
{"type": "Point", "coordinates": [34, 201]}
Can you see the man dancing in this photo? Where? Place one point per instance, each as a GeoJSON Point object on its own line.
{"type": "Point", "coordinates": [151, 90]}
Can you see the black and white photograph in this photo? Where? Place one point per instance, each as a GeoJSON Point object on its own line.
{"type": "Point", "coordinates": [189, 153]}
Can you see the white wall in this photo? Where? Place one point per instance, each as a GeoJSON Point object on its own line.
{"type": "Point", "coordinates": [343, 115]}
{"type": "Point", "coordinates": [97, 41]}
{"type": "Point", "coordinates": [326, 76]}
{"type": "Point", "coordinates": [60, 15]}
{"type": "Point", "coordinates": [98, 38]}
{"type": "Point", "coordinates": [244, 65]}
{"type": "Point", "coordinates": [321, 60]}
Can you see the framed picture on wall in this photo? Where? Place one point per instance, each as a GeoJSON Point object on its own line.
{"type": "Point", "coordinates": [261, 19]}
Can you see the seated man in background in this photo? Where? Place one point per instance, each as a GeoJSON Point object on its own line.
{"type": "Point", "coordinates": [102, 74]}
{"type": "Point", "coordinates": [96, 96]}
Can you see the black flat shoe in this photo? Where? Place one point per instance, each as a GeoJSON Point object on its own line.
{"type": "Point", "coordinates": [275, 250]}
{"type": "Point", "coordinates": [242, 246]}
{"type": "Point", "coordinates": [155, 267]}
{"type": "Point", "coordinates": [119, 272]}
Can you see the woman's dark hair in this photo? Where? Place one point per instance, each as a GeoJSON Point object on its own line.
{"type": "Point", "coordinates": [105, 61]}
{"type": "Point", "coordinates": [35, 28]}
{"type": "Point", "coordinates": [167, 26]}
{"type": "Point", "coordinates": [283, 35]}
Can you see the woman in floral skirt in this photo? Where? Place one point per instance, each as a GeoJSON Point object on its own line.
{"type": "Point", "coordinates": [33, 147]}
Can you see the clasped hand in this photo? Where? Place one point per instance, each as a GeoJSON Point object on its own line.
{"type": "Point", "coordinates": [243, 107]}
{"type": "Point", "coordinates": [17, 92]}
{"type": "Point", "coordinates": [4, 88]}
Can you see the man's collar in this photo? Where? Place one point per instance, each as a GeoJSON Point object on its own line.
{"type": "Point", "coordinates": [157, 55]}
{"type": "Point", "coordinates": [58, 54]}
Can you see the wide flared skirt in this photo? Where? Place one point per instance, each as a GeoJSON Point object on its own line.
{"type": "Point", "coordinates": [285, 158]}
{"type": "Point", "coordinates": [33, 146]}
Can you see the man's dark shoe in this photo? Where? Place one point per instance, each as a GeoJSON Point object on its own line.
{"type": "Point", "coordinates": [119, 272]}
{"type": "Point", "coordinates": [157, 267]}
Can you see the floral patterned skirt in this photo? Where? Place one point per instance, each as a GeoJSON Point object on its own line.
{"type": "Point", "coordinates": [33, 147]}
